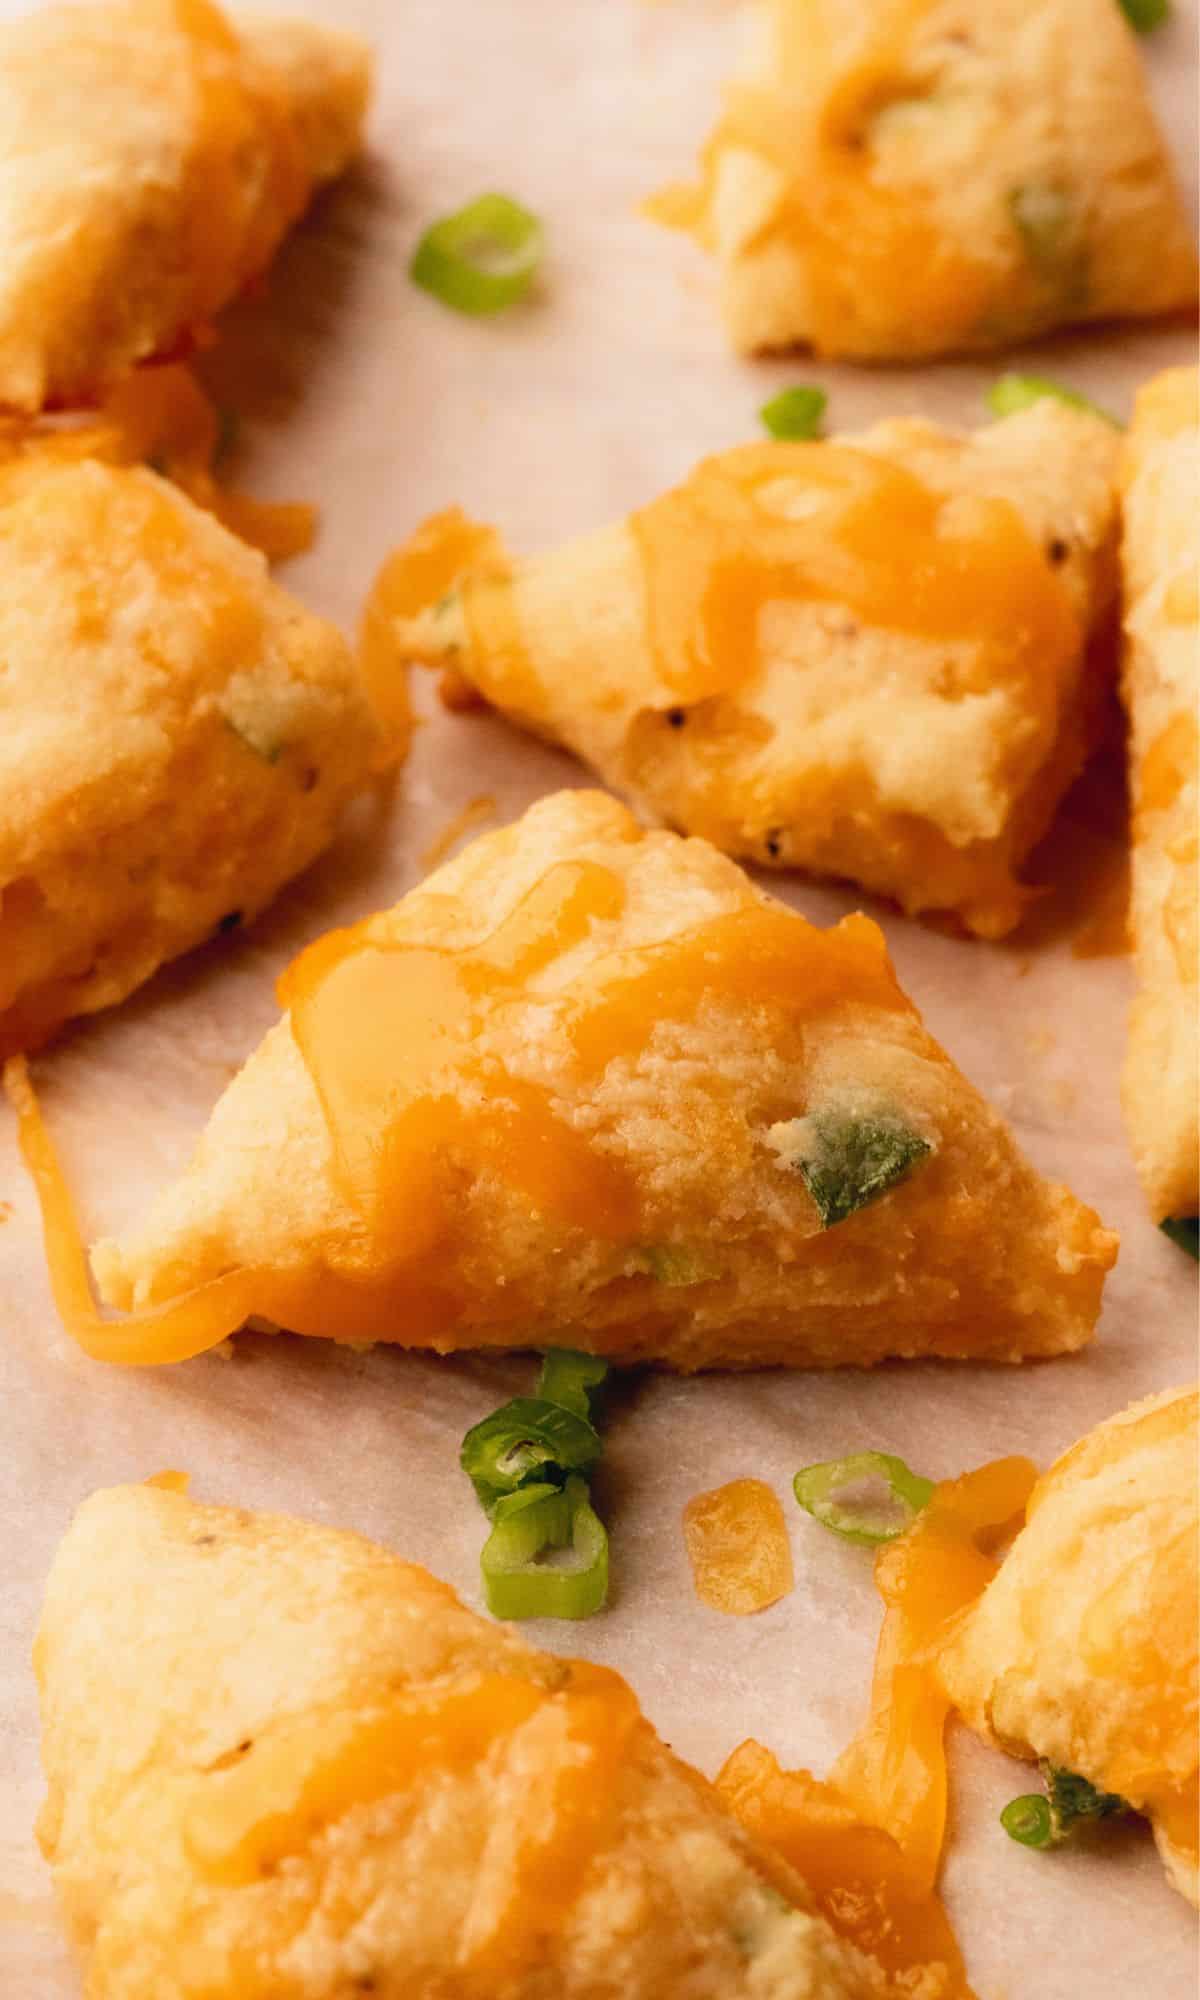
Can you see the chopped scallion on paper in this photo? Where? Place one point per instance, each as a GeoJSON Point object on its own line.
{"type": "Point", "coordinates": [547, 1555]}
{"type": "Point", "coordinates": [795, 413]}
{"type": "Point", "coordinates": [844, 1495]}
{"type": "Point", "coordinates": [482, 258]}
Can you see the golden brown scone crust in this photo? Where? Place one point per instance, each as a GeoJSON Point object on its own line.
{"type": "Point", "coordinates": [177, 1640]}
{"type": "Point", "coordinates": [1161, 680]}
{"type": "Point", "coordinates": [918, 177]}
{"type": "Point", "coordinates": [1083, 1648]}
{"type": "Point", "coordinates": [178, 735]}
{"type": "Point", "coordinates": [971, 1254]}
{"type": "Point", "coordinates": [912, 762]}
{"type": "Point", "coordinates": [152, 157]}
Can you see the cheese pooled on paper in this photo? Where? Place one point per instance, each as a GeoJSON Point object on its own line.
{"type": "Point", "coordinates": [178, 736]}
{"type": "Point", "coordinates": [908, 178]}
{"type": "Point", "coordinates": [883, 658]}
{"type": "Point", "coordinates": [1161, 555]}
{"type": "Point", "coordinates": [153, 155]}
{"type": "Point", "coordinates": [280, 1760]}
{"type": "Point", "coordinates": [586, 1086]}
{"type": "Point", "coordinates": [1083, 1648]}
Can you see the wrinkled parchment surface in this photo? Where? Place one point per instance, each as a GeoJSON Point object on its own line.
{"type": "Point", "coordinates": [359, 391]}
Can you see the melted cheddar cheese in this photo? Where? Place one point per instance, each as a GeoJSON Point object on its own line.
{"type": "Point", "coordinates": [880, 657]}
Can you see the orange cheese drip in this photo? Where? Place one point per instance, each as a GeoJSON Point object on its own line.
{"type": "Point", "coordinates": [391, 1033]}
{"type": "Point", "coordinates": [861, 1881]}
{"type": "Point", "coordinates": [870, 537]}
{"type": "Point", "coordinates": [894, 1773]}
{"type": "Point", "coordinates": [874, 252]}
{"type": "Point", "coordinates": [306, 1774]}
{"type": "Point", "coordinates": [415, 578]}
{"type": "Point", "coordinates": [737, 1543]}
{"type": "Point", "coordinates": [869, 1840]}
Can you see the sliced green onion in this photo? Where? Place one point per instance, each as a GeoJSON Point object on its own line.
{"type": "Point", "coordinates": [1027, 1820]}
{"type": "Point", "coordinates": [846, 1162]}
{"type": "Point", "coordinates": [795, 413]}
{"type": "Point", "coordinates": [528, 1439]}
{"type": "Point", "coordinates": [1046, 1822]}
{"type": "Point", "coordinates": [1185, 1231]}
{"type": "Point", "coordinates": [571, 1380]}
{"type": "Point", "coordinates": [670, 1264]}
{"type": "Point", "coordinates": [1011, 393]}
{"type": "Point", "coordinates": [537, 1522]}
{"type": "Point", "coordinates": [818, 1488]}
{"type": "Point", "coordinates": [482, 258]}
{"type": "Point", "coordinates": [1073, 1798]}
{"type": "Point", "coordinates": [1145, 15]}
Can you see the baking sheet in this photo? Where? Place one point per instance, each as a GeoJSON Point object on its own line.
{"type": "Point", "coordinates": [358, 390]}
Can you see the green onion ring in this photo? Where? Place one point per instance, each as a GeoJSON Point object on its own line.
{"type": "Point", "coordinates": [482, 258]}
{"type": "Point", "coordinates": [795, 413]}
{"type": "Point", "coordinates": [817, 1486]}
{"type": "Point", "coordinates": [529, 1524]}
{"type": "Point", "coordinates": [1145, 15]}
{"type": "Point", "coordinates": [526, 1440]}
{"type": "Point", "coordinates": [1028, 1820]}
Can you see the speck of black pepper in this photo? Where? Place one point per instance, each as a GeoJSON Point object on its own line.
{"type": "Point", "coordinates": [308, 778]}
{"type": "Point", "coordinates": [1057, 551]}
{"type": "Point", "coordinates": [203, 1541]}
{"type": "Point", "coordinates": [230, 921]}
{"type": "Point", "coordinates": [676, 717]}
{"type": "Point", "coordinates": [774, 846]}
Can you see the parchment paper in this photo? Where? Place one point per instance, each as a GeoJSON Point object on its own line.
{"type": "Point", "coordinates": [359, 391]}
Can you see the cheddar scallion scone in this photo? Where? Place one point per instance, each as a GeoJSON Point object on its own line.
{"type": "Point", "coordinates": [910, 178]}
{"type": "Point", "coordinates": [586, 1086]}
{"type": "Point", "coordinates": [281, 1761]}
{"type": "Point", "coordinates": [178, 736]}
{"type": "Point", "coordinates": [1082, 1650]}
{"type": "Point", "coordinates": [882, 657]}
{"type": "Point", "coordinates": [152, 156]}
{"type": "Point", "coordinates": [1161, 555]}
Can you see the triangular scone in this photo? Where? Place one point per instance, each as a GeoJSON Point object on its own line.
{"type": "Point", "coordinates": [1162, 693]}
{"type": "Point", "coordinates": [152, 156]}
{"type": "Point", "coordinates": [868, 658]}
{"type": "Point", "coordinates": [280, 1761]}
{"type": "Point", "coordinates": [911, 178]}
{"type": "Point", "coordinates": [586, 1086]}
{"type": "Point", "coordinates": [178, 736]}
{"type": "Point", "coordinates": [1082, 1650]}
